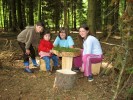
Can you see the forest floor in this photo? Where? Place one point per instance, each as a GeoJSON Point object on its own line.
{"type": "Point", "coordinates": [15, 84]}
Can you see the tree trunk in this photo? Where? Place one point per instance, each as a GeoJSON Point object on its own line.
{"type": "Point", "coordinates": [23, 13]}
{"type": "Point", "coordinates": [98, 15]}
{"type": "Point", "coordinates": [13, 12]}
{"type": "Point", "coordinates": [19, 11]}
{"type": "Point", "coordinates": [30, 12]}
{"type": "Point", "coordinates": [72, 13]}
{"type": "Point", "coordinates": [65, 13]}
{"type": "Point", "coordinates": [4, 5]}
{"type": "Point", "coordinates": [105, 19]}
{"type": "Point", "coordinates": [91, 15]}
{"type": "Point", "coordinates": [39, 10]}
{"type": "Point", "coordinates": [74, 9]}
{"type": "Point", "coordinates": [116, 16]}
{"type": "Point", "coordinates": [65, 79]}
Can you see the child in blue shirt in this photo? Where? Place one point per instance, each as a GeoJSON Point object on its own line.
{"type": "Point", "coordinates": [62, 40]}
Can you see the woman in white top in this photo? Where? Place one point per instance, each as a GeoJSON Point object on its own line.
{"type": "Point", "coordinates": [92, 52]}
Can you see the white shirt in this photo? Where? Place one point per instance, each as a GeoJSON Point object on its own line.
{"type": "Point", "coordinates": [92, 46]}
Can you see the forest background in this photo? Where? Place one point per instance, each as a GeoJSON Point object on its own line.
{"type": "Point", "coordinates": [107, 17]}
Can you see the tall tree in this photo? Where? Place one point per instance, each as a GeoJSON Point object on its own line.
{"type": "Point", "coordinates": [23, 13]}
{"type": "Point", "coordinates": [74, 14]}
{"type": "Point", "coordinates": [98, 14]}
{"type": "Point", "coordinates": [65, 14]}
{"type": "Point", "coordinates": [91, 15]}
{"type": "Point", "coordinates": [30, 12]}
{"type": "Point", "coordinates": [5, 8]}
{"type": "Point", "coordinates": [19, 13]}
{"type": "Point", "coordinates": [39, 9]}
{"type": "Point", "coordinates": [13, 13]}
{"type": "Point", "coordinates": [104, 17]}
{"type": "Point", "coordinates": [57, 9]}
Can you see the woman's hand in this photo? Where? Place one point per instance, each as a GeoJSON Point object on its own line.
{"type": "Point", "coordinates": [51, 51]}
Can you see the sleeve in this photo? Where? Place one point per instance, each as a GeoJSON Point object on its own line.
{"type": "Point", "coordinates": [70, 41]}
{"type": "Point", "coordinates": [56, 42]}
{"type": "Point", "coordinates": [88, 46]}
{"type": "Point", "coordinates": [36, 40]}
{"type": "Point", "coordinates": [28, 41]}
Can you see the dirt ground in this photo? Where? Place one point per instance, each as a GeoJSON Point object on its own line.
{"type": "Point", "coordinates": [15, 84]}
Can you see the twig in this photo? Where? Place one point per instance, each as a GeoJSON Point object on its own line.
{"type": "Point", "coordinates": [6, 43]}
{"type": "Point", "coordinates": [125, 84]}
{"type": "Point", "coordinates": [120, 76]}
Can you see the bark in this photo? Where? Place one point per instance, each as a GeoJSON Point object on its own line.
{"type": "Point", "coordinates": [91, 15]}
{"type": "Point", "coordinates": [65, 79]}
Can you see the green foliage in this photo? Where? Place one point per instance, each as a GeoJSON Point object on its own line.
{"type": "Point", "coordinates": [61, 49]}
{"type": "Point", "coordinates": [118, 61]}
{"type": "Point", "coordinates": [130, 93]}
{"type": "Point", "coordinates": [131, 37]}
{"type": "Point", "coordinates": [130, 70]}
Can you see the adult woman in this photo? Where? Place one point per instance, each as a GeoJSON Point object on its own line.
{"type": "Point", "coordinates": [62, 40]}
{"type": "Point", "coordinates": [92, 52]}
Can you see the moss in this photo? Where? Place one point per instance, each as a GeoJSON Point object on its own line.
{"type": "Point", "coordinates": [64, 49]}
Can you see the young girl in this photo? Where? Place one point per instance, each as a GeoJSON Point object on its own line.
{"type": "Point", "coordinates": [62, 40]}
{"type": "Point", "coordinates": [45, 53]}
{"type": "Point", "coordinates": [92, 52]}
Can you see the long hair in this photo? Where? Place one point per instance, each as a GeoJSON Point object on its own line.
{"type": "Point", "coordinates": [62, 30]}
{"type": "Point", "coordinates": [85, 26]}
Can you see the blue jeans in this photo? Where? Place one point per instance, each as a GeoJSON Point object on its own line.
{"type": "Point", "coordinates": [47, 61]}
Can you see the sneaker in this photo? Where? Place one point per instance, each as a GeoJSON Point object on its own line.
{"type": "Point", "coordinates": [75, 69]}
{"type": "Point", "coordinates": [49, 73]}
{"type": "Point", "coordinates": [90, 78]}
{"type": "Point", "coordinates": [28, 70]}
{"type": "Point", "coordinates": [36, 65]}
{"type": "Point", "coordinates": [57, 67]}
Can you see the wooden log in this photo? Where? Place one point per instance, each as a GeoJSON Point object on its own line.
{"type": "Point", "coordinates": [43, 65]}
{"type": "Point", "coordinates": [96, 68]}
{"type": "Point", "coordinates": [65, 79]}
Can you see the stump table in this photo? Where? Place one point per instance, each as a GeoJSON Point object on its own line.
{"type": "Point", "coordinates": [65, 78]}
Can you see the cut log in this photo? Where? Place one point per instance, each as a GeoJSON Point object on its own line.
{"type": "Point", "coordinates": [65, 79]}
{"type": "Point", "coordinates": [96, 68]}
{"type": "Point", "coordinates": [43, 65]}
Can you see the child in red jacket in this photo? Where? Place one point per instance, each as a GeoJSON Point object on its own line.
{"type": "Point", "coordinates": [44, 48]}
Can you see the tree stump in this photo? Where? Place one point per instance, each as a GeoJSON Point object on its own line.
{"type": "Point", "coordinates": [65, 79]}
